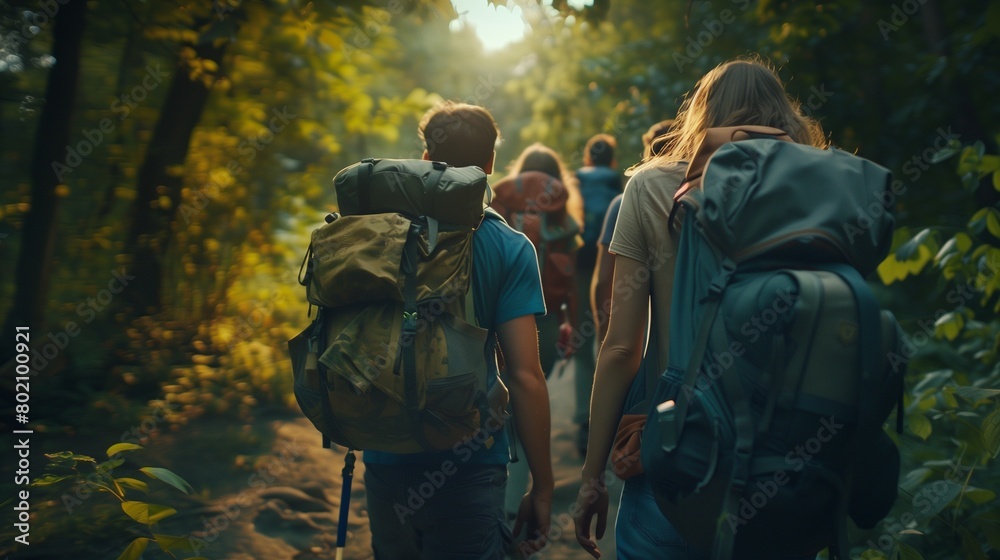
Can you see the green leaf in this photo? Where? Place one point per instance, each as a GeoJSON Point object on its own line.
{"type": "Point", "coordinates": [119, 447]}
{"type": "Point", "coordinates": [63, 456]}
{"type": "Point", "coordinates": [109, 465]}
{"type": "Point", "coordinates": [977, 223]}
{"type": "Point", "coordinates": [963, 241]}
{"type": "Point", "coordinates": [872, 554]}
{"type": "Point", "coordinates": [49, 480]}
{"type": "Point", "coordinates": [980, 496]}
{"type": "Point", "coordinates": [914, 478]}
{"type": "Point", "coordinates": [909, 250]}
{"type": "Point", "coordinates": [991, 433]}
{"type": "Point", "coordinates": [993, 221]}
{"type": "Point", "coordinates": [133, 483]}
{"type": "Point", "coordinates": [989, 164]}
{"type": "Point", "coordinates": [147, 514]}
{"type": "Point", "coordinates": [170, 542]}
{"type": "Point", "coordinates": [974, 394]}
{"type": "Point", "coordinates": [135, 549]}
{"type": "Point", "coordinates": [907, 552]}
{"type": "Point", "coordinates": [893, 268]}
{"type": "Point", "coordinates": [969, 160]}
{"type": "Point", "coordinates": [943, 154]}
{"type": "Point", "coordinates": [971, 549]}
{"type": "Point", "coordinates": [919, 425]}
{"type": "Point", "coordinates": [949, 325]}
{"type": "Point", "coordinates": [996, 180]}
{"type": "Point", "coordinates": [169, 477]}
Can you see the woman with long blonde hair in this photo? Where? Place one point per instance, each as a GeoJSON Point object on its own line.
{"type": "Point", "coordinates": [744, 91]}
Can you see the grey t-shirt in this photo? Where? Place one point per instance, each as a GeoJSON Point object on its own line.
{"type": "Point", "coordinates": [641, 234]}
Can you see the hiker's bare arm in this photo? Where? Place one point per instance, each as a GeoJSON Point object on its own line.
{"type": "Point", "coordinates": [617, 363]}
{"type": "Point", "coordinates": [618, 360]}
{"type": "Point", "coordinates": [600, 291]}
{"type": "Point", "coordinates": [529, 399]}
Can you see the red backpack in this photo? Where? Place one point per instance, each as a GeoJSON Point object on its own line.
{"type": "Point", "coordinates": [534, 203]}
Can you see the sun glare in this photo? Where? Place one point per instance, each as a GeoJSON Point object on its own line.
{"type": "Point", "coordinates": [495, 26]}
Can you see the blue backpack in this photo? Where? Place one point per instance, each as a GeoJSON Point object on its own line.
{"type": "Point", "coordinates": [765, 432]}
{"type": "Point", "coordinates": [598, 187]}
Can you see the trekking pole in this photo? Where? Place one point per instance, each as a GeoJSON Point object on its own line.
{"type": "Point", "coordinates": [345, 502]}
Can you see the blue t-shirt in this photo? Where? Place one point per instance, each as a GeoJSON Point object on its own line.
{"type": "Point", "coordinates": [507, 286]}
{"type": "Point", "coordinates": [610, 219]}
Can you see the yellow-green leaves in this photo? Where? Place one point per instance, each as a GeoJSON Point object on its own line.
{"type": "Point", "coordinates": [119, 447]}
{"type": "Point", "coordinates": [169, 477]}
{"type": "Point", "coordinates": [910, 257]}
{"type": "Point", "coordinates": [135, 549]}
{"type": "Point", "coordinates": [147, 514]}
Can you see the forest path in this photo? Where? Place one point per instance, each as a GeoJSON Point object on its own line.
{"type": "Point", "coordinates": [289, 509]}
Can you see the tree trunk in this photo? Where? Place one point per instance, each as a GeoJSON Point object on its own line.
{"type": "Point", "coordinates": [150, 232]}
{"type": "Point", "coordinates": [51, 141]}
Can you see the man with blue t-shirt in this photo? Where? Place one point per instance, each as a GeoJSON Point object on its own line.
{"type": "Point", "coordinates": [464, 516]}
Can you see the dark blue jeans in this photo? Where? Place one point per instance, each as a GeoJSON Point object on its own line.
{"type": "Point", "coordinates": [642, 533]}
{"type": "Point", "coordinates": [419, 512]}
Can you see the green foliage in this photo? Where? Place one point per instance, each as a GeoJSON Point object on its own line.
{"type": "Point", "coordinates": [953, 404]}
{"type": "Point", "coordinates": [72, 487]}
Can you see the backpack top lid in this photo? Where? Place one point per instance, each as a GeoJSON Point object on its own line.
{"type": "Point", "coordinates": [454, 196]}
{"type": "Point", "coordinates": [531, 191]}
{"type": "Point", "coordinates": [765, 196]}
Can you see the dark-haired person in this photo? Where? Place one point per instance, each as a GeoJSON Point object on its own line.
{"type": "Point", "coordinates": [599, 183]}
{"type": "Point", "coordinates": [463, 517]}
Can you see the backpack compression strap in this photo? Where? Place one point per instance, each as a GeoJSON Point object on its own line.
{"type": "Point", "coordinates": [869, 337]}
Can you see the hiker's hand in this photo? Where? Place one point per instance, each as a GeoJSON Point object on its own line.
{"type": "Point", "coordinates": [564, 346]}
{"type": "Point", "coordinates": [535, 513]}
{"type": "Point", "coordinates": [592, 500]}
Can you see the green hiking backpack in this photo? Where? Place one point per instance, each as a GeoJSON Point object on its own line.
{"type": "Point", "coordinates": [765, 431]}
{"type": "Point", "coordinates": [394, 360]}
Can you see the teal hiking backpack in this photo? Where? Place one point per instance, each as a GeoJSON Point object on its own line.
{"type": "Point", "coordinates": [766, 430]}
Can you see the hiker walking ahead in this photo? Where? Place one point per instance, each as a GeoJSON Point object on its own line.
{"type": "Point", "coordinates": [464, 515]}
{"type": "Point", "coordinates": [540, 199]}
{"type": "Point", "coordinates": [600, 183]}
{"type": "Point", "coordinates": [741, 92]}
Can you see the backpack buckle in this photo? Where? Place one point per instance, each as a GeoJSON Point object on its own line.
{"type": "Point", "coordinates": [410, 321]}
{"type": "Point", "coordinates": [721, 279]}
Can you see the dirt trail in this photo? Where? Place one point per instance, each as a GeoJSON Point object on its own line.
{"type": "Point", "coordinates": [290, 510]}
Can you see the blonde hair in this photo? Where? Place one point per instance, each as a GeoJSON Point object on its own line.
{"type": "Point", "coordinates": [539, 157]}
{"type": "Point", "coordinates": [744, 91]}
